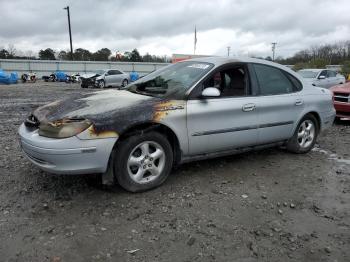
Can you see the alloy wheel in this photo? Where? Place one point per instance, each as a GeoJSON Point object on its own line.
{"type": "Point", "coordinates": [146, 162]}
{"type": "Point", "coordinates": [306, 133]}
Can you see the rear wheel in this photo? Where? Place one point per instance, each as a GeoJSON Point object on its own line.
{"type": "Point", "coordinates": [124, 83]}
{"type": "Point", "coordinates": [305, 135]}
{"type": "Point", "coordinates": [143, 162]}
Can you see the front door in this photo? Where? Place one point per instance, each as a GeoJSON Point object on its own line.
{"type": "Point", "coordinates": [225, 122]}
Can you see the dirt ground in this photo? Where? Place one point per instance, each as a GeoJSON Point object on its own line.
{"type": "Point", "coordinates": [260, 206]}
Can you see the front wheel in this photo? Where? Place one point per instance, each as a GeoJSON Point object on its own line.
{"type": "Point", "coordinates": [305, 135]}
{"type": "Point", "coordinates": [101, 84]}
{"type": "Point", "coordinates": [143, 162]}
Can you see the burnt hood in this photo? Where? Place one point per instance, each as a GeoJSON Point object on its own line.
{"type": "Point", "coordinates": [107, 110]}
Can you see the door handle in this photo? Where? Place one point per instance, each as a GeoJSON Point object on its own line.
{"type": "Point", "coordinates": [298, 102]}
{"type": "Point", "coordinates": [248, 107]}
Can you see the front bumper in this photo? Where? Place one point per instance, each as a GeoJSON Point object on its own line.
{"type": "Point", "coordinates": [66, 156]}
{"type": "Point", "coordinates": [343, 109]}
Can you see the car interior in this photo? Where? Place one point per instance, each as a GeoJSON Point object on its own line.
{"type": "Point", "coordinates": [230, 82]}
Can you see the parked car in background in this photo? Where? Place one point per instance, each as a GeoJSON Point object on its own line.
{"type": "Point", "coordinates": [50, 78]}
{"type": "Point", "coordinates": [341, 98]}
{"type": "Point", "coordinates": [195, 109]}
{"type": "Point", "coordinates": [322, 77]}
{"type": "Point", "coordinates": [28, 77]}
{"type": "Point", "coordinates": [88, 80]}
{"type": "Point", "coordinates": [112, 78]}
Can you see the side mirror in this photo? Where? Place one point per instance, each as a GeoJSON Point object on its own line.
{"type": "Point", "coordinates": [321, 77]}
{"type": "Point", "coordinates": [211, 92]}
{"type": "Point", "coordinates": [106, 74]}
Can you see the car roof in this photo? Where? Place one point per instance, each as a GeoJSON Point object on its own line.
{"type": "Point", "coordinates": [218, 61]}
{"type": "Point", "coordinates": [313, 69]}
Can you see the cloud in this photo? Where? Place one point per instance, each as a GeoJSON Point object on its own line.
{"type": "Point", "coordinates": [166, 27]}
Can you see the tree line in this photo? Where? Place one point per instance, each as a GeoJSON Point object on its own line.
{"type": "Point", "coordinates": [318, 56]}
{"type": "Point", "coordinates": [81, 54]}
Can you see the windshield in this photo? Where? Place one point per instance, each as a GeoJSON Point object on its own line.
{"type": "Point", "coordinates": [308, 73]}
{"type": "Point", "coordinates": [173, 80]}
{"type": "Point", "coordinates": [99, 72]}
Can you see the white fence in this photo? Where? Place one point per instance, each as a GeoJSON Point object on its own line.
{"type": "Point", "coordinates": [46, 67]}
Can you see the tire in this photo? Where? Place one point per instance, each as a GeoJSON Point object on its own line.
{"type": "Point", "coordinates": [101, 84]}
{"type": "Point", "coordinates": [134, 167]}
{"type": "Point", "coordinates": [125, 83]}
{"type": "Point", "coordinates": [305, 135]}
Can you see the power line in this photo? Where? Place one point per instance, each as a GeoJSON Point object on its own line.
{"type": "Point", "coordinates": [70, 33]}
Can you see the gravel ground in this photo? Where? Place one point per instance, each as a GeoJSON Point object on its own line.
{"type": "Point", "coordinates": [260, 206]}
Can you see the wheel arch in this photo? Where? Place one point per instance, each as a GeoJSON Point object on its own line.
{"type": "Point", "coordinates": [157, 127]}
{"type": "Point", "coordinates": [314, 114]}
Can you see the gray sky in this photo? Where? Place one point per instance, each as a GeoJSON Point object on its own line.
{"type": "Point", "coordinates": [164, 27]}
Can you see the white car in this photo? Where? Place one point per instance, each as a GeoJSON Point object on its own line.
{"type": "Point", "coordinates": [322, 77]}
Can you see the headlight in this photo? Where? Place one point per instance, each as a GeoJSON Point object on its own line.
{"type": "Point", "coordinates": [63, 128]}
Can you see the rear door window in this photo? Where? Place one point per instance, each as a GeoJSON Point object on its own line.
{"type": "Point", "coordinates": [272, 81]}
{"type": "Point", "coordinates": [331, 73]}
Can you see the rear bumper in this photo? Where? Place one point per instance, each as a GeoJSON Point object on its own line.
{"type": "Point", "coordinates": [343, 109]}
{"type": "Point", "coordinates": [66, 156]}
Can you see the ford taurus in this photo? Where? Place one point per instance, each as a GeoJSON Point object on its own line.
{"type": "Point", "coordinates": [190, 110]}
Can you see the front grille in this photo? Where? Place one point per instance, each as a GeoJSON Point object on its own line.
{"type": "Point", "coordinates": [341, 97]}
{"type": "Point", "coordinates": [31, 121]}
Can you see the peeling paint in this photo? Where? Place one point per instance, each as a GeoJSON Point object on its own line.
{"type": "Point", "coordinates": [93, 133]}
{"type": "Point", "coordinates": [162, 109]}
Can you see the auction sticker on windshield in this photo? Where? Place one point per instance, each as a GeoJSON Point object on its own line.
{"type": "Point", "coordinates": [199, 66]}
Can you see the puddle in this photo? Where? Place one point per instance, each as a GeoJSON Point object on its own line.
{"type": "Point", "coordinates": [332, 156]}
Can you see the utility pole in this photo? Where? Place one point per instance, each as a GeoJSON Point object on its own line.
{"type": "Point", "coordinates": [228, 50]}
{"type": "Point", "coordinates": [273, 50]}
{"type": "Point", "coordinates": [70, 33]}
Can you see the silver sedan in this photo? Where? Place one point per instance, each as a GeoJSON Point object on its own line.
{"type": "Point", "coordinates": [322, 77]}
{"type": "Point", "coordinates": [112, 78]}
{"type": "Point", "coordinates": [195, 109]}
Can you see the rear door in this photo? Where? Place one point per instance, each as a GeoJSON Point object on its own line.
{"type": "Point", "coordinates": [279, 104]}
{"type": "Point", "coordinates": [119, 77]}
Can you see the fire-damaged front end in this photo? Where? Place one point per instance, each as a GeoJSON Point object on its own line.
{"type": "Point", "coordinates": [77, 135]}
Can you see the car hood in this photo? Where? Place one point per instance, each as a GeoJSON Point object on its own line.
{"type": "Point", "coordinates": [110, 110]}
{"type": "Point", "coordinates": [344, 88]}
{"type": "Point", "coordinates": [89, 75]}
